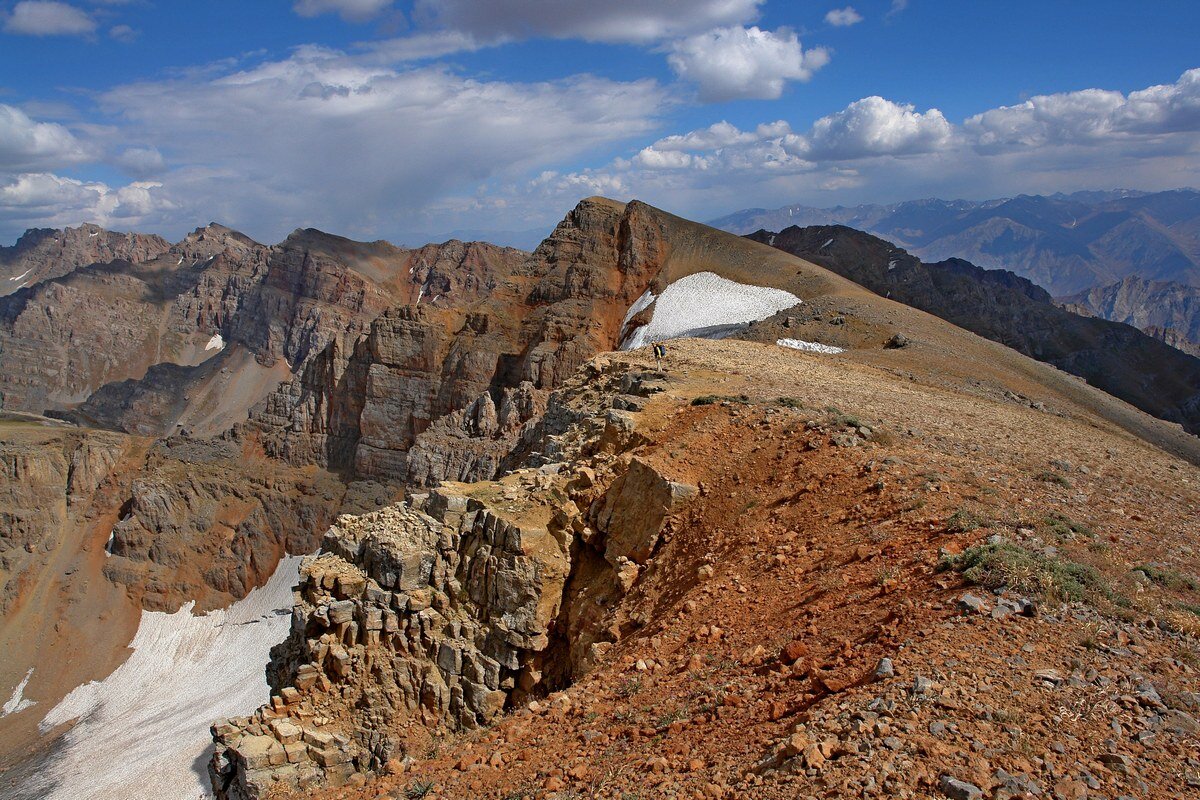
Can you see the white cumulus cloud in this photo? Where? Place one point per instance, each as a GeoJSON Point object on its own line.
{"type": "Point", "coordinates": [49, 18]}
{"type": "Point", "coordinates": [843, 17]}
{"type": "Point", "coordinates": [26, 144]}
{"type": "Point", "coordinates": [874, 126]}
{"type": "Point", "coordinates": [739, 63]}
{"type": "Point", "coordinates": [1092, 116]}
{"type": "Point", "coordinates": [720, 134]}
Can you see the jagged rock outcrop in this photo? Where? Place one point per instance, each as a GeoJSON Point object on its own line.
{"type": "Point", "coordinates": [469, 600]}
{"type": "Point", "coordinates": [440, 617]}
{"type": "Point", "coordinates": [45, 253]}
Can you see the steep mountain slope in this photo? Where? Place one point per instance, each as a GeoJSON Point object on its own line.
{"type": "Point", "coordinates": [1166, 310]}
{"type": "Point", "coordinates": [1008, 309]}
{"type": "Point", "coordinates": [1066, 243]}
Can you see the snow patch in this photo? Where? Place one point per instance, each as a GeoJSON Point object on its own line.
{"type": "Point", "coordinates": [809, 347]}
{"type": "Point", "coordinates": [705, 306]}
{"type": "Point", "coordinates": [22, 275]}
{"type": "Point", "coordinates": [891, 265]}
{"type": "Point", "coordinates": [18, 702]}
{"type": "Point", "coordinates": [143, 731]}
{"type": "Point", "coordinates": [639, 305]}
{"type": "Point", "coordinates": [94, 233]}
{"type": "Point", "coordinates": [180, 261]}
{"type": "Point", "coordinates": [822, 247]}
{"type": "Point", "coordinates": [215, 343]}
{"type": "Point", "coordinates": [112, 537]}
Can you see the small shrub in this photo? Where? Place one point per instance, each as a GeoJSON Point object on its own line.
{"type": "Point", "coordinates": [849, 421]}
{"type": "Point", "coordinates": [629, 687]}
{"type": "Point", "coordinates": [418, 789]}
{"type": "Point", "coordinates": [1066, 528]}
{"type": "Point", "coordinates": [1169, 578]}
{"type": "Point", "coordinates": [789, 402]}
{"type": "Point", "coordinates": [883, 437]}
{"type": "Point", "coordinates": [1055, 478]}
{"type": "Point", "coordinates": [995, 566]}
{"type": "Point", "coordinates": [962, 521]}
{"type": "Point", "coordinates": [713, 399]}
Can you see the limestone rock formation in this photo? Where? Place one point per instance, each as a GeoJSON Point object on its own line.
{"type": "Point", "coordinates": [441, 617]}
{"type": "Point", "coordinates": [442, 613]}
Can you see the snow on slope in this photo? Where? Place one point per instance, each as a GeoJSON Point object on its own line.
{"type": "Point", "coordinates": [22, 275]}
{"type": "Point", "coordinates": [809, 347]}
{"type": "Point", "coordinates": [143, 731]}
{"type": "Point", "coordinates": [18, 702]}
{"type": "Point", "coordinates": [215, 343]}
{"type": "Point", "coordinates": [705, 306]}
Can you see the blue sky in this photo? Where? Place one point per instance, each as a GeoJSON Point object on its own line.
{"type": "Point", "coordinates": [404, 119]}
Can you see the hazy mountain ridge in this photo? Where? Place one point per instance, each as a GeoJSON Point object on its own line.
{"type": "Point", "coordinates": [1065, 243]}
{"type": "Point", "coordinates": [1166, 310]}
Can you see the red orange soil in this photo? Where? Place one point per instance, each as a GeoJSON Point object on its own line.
{"type": "Point", "coordinates": [774, 597]}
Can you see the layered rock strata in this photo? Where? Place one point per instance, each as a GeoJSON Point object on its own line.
{"type": "Point", "coordinates": [442, 613]}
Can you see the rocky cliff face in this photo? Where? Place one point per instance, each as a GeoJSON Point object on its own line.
{"type": "Point", "coordinates": [1168, 311]}
{"type": "Point", "coordinates": [440, 389]}
{"type": "Point", "coordinates": [47, 477]}
{"type": "Point", "coordinates": [442, 613]}
{"type": "Point", "coordinates": [1015, 312]}
{"type": "Point", "coordinates": [47, 253]}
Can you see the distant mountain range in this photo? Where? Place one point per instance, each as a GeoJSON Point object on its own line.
{"type": "Point", "coordinates": [1166, 310]}
{"type": "Point", "coordinates": [1066, 243]}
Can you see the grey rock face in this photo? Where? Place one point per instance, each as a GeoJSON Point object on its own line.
{"type": "Point", "coordinates": [435, 610]}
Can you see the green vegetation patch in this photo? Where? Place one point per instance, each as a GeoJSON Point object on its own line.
{"type": "Point", "coordinates": [713, 399]}
{"type": "Point", "coordinates": [995, 566]}
{"type": "Point", "coordinates": [1053, 477]}
{"type": "Point", "coordinates": [1066, 528]}
{"type": "Point", "coordinates": [1169, 578]}
{"type": "Point", "coordinates": [963, 521]}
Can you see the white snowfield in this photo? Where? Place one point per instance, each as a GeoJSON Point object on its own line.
{"type": "Point", "coordinates": [704, 306]}
{"type": "Point", "coordinates": [215, 343]}
{"type": "Point", "coordinates": [142, 732]}
{"type": "Point", "coordinates": [18, 702]}
{"type": "Point", "coordinates": [809, 347]}
{"type": "Point", "coordinates": [22, 275]}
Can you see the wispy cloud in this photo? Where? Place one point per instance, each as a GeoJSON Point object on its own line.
{"type": "Point", "coordinates": [843, 17]}
{"type": "Point", "coordinates": [48, 18]}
